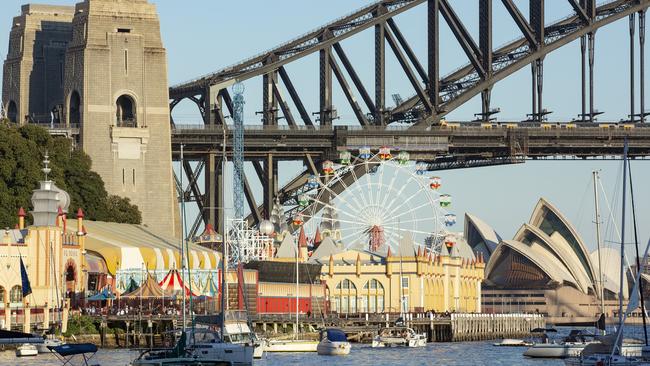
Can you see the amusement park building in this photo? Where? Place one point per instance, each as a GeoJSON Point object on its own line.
{"type": "Point", "coordinates": [71, 259]}
{"type": "Point", "coordinates": [409, 280]}
{"type": "Point", "coordinates": [545, 268]}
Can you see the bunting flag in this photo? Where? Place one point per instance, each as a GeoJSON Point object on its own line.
{"type": "Point", "coordinates": [27, 288]}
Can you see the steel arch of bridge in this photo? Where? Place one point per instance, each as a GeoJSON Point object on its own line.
{"type": "Point", "coordinates": [433, 98]}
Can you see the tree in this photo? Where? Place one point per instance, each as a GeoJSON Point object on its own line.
{"type": "Point", "coordinates": [22, 150]}
{"type": "Point", "coordinates": [122, 210]}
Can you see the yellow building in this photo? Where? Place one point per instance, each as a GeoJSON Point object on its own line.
{"type": "Point", "coordinates": [411, 280]}
{"type": "Point", "coordinates": [53, 258]}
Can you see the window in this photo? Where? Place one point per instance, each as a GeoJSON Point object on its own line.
{"type": "Point", "coordinates": [123, 30]}
{"type": "Point", "coordinates": [405, 282]}
{"type": "Point", "coordinates": [345, 297]}
{"type": "Point", "coordinates": [2, 296]}
{"type": "Point", "coordinates": [125, 111]}
{"type": "Point", "coordinates": [16, 294]}
{"type": "Point", "coordinates": [126, 62]}
{"type": "Point", "coordinates": [133, 176]}
{"type": "Point", "coordinates": [373, 296]}
{"type": "Point", "coordinates": [12, 111]}
{"type": "Point", "coordinates": [74, 108]}
{"type": "Point", "coordinates": [123, 177]}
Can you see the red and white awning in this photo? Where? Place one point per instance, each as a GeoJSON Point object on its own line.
{"type": "Point", "coordinates": [173, 283]}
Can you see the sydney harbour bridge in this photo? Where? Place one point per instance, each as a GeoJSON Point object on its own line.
{"type": "Point", "coordinates": [415, 124]}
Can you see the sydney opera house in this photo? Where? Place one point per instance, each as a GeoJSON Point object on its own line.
{"type": "Point", "coordinates": [545, 268]}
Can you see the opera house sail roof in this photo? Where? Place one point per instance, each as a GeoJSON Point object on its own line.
{"type": "Point", "coordinates": [480, 236]}
{"type": "Point", "coordinates": [545, 253]}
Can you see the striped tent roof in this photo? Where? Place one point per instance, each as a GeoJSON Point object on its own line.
{"type": "Point", "coordinates": [173, 283]}
{"type": "Point", "coordinates": [148, 289]}
{"type": "Point", "coordinates": [128, 246]}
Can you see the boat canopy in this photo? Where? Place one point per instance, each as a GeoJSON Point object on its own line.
{"type": "Point", "coordinates": [336, 335]}
{"type": "Point", "coordinates": [74, 349]}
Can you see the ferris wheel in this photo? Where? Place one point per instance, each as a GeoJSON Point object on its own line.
{"type": "Point", "coordinates": [370, 201]}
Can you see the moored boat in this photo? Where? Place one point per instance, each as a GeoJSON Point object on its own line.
{"type": "Point", "coordinates": [199, 347]}
{"type": "Point", "coordinates": [26, 350]}
{"type": "Point", "coordinates": [570, 346]}
{"type": "Point", "coordinates": [509, 342]}
{"type": "Point", "coordinates": [399, 337]}
{"type": "Point", "coordinates": [333, 342]}
{"type": "Point", "coordinates": [47, 343]}
{"type": "Point", "coordinates": [291, 345]}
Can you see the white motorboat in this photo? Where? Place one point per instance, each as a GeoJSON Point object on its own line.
{"type": "Point", "coordinates": [399, 337]}
{"type": "Point", "coordinates": [555, 350]}
{"type": "Point", "coordinates": [570, 346]}
{"type": "Point", "coordinates": [290, 345]}
{"type": "Point", "coordinates": [48, 342]}
{"type": "Point", "coordinates": [333, 342]}
{"type": "Point", "coordinates": [509, 342]}
{"type": "Point", "coordinates": [26, 350]}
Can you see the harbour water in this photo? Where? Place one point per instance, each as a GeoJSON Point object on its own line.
{"type": "Point", "coordinates": [452, 354]}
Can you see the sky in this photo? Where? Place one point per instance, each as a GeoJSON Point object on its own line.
{"type": "Point", "coordinates": [206, 35]}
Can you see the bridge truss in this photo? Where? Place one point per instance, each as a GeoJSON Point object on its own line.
{"type": "Point", "coordinates": [434, 96]}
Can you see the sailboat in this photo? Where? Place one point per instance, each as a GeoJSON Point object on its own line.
{"type": "Point", "coordinates": [610, 350]}
{"type": "Point", "coordinates": [200, 346]}
{"type": "Point", "coordinates": [295, 344]}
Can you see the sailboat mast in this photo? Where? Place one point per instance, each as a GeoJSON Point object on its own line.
{"type": "Point", "coordinates": [638, 260]}
{"type": "Point", "coordinates": [622, 269]}
{"type": "Point", "coordinates": [183, 232]}
{"type": "Point", "coordinates": [297, 288]}
{"type": "Point", "coordinates": [598, 243]}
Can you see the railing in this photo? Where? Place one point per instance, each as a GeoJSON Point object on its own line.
{"type": "Point", "coordinates": [128, 122]}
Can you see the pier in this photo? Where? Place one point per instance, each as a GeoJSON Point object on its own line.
{"type": "Point", "coordinates": [157, 330]}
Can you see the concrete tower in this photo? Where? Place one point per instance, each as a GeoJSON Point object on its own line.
{"type": "Point", "coordinates": [116, 88]}
{"type": "Point", "coordinates": [32, 87]}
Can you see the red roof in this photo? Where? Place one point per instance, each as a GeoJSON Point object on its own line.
{"type": "Point", "coordinates": [21, 212]}
{"type": "Point", "coordinates": [209, 230]}
{"type": "Point", "coordinates": [302, 238]}
{"type": "Point", "coordinates": [80, 213]}
{"type": "Point", "coordinates": [174, 283]}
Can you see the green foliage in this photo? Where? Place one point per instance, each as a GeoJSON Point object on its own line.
{"type": "Point", "coordinates": [81, 324]}
{"type": "Point", "coordinates": [22, 150]}
{"type": "Point", "coordinates": [122, 210]}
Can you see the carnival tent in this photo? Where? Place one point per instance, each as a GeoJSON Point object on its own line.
{"type": "Point", "coordinates": [132, 286]}
{"type": "Point", "coordinates": [149, 289]}
{"type": "Point", "coordinates": [173, 284]}
{"type": "Point", "coordinates": [211, 289]}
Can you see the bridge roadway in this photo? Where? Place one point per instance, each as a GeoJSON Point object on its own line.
{"type": "Point", "coordinates": [447, 146]}
{"type": "Point", "coordinates": [460, 140]}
